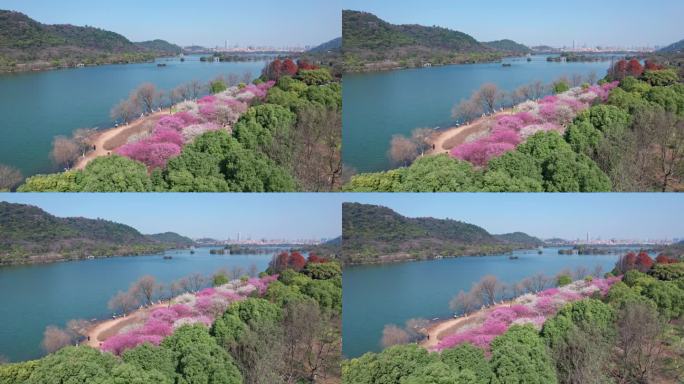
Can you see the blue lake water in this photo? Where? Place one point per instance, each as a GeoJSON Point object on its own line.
{"type": "Point", "coordinates": [36, 107]}
{"type": "Point", "coordinates": [36, 296]}
{"type": "Point", "coordinates": [379, 105]}
{"type": "Point", "coordinates": [377, 295]}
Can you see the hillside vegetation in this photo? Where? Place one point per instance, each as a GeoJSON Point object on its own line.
{"type": "Point", "coordinates": [160, 46]}
{"type": "Point", "coordinates": [509, 46]}
{"type": "Point", "coordinates": [677, 47]}
{"type": "Point", "coordinates": [26, 44]}
{"type": "Point", "coordinates": [30, 235]}
{"type": "Point", "coordinates": [370, 43]}
{"type": "Point", "coordinates": [375, 234]}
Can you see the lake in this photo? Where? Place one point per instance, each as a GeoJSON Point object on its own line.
{"type": "Point", "coordinates": [379, 105]}
{"type": "Point", "coordinates": [36, 296]}
{"type": "Point", "coordinates": [36, 107]}
{"type": "Point", "coordinates": [376, 295]}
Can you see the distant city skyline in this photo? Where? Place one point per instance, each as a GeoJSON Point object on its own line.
{"type": "Point", "coordinates": [206, 23]}
{"type": "Point", "coordinates": [621, 216]}
{"type": "Point", "coordinates": [291, 216]}
{"type": "Point", "coordinates": [624, 23]}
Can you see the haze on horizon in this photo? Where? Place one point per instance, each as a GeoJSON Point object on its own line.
{"type": "Point", "coordinates": [624, 23]}
{"type": "Point", "coordinates": [290, 216]}
{"type": "Point", "coordinates": [207, 23]}
{"type": "Point", "coordinates": [640, 216]}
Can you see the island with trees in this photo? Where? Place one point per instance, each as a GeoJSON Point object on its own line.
{"type": "Point", "coordinates": [624, 326]}
{"type": "Point", "coordinates": [280, 326]}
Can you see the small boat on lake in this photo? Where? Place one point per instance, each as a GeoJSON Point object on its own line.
{"type": "Point", "coordinates": [506, 65]}
{"type": "Point", "coordinates": [513, 257]}
{"type": "Point", "coordinates": [168, 257]}
{"type": "Point", "coordinates": [161, 64]}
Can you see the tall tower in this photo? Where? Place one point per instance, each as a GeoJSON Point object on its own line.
{"type": "Point", "coordinates": [587, 237]}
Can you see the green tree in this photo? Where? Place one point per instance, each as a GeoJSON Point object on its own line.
{"type": "Point", "coordinates": [389, 367]}
{"type": "Point", "coordinates": [56, 182]}
{"type": "Point", "coordinates": [660, 78]}
{"type": "Point", "coordinates": [323, 271]}
{"type": "Point", "coordinates": [217, 86]}
{"type": "Point", "coordinates": [315, 76]}
{"type": "Point", "coordinates": [469, 357]}
{"type": "Point", "coordinates": [254, 310]}
{"type": "Point", "coordinates": [199, 359]}
{"type": "Point", "coordinates": [228, 329]}
{"type": "Point", "coordinates": [560, 87]}
{"type": "Point", "coordinates": [440, 373]}
{"type": "Point", "coordinates": [668, 297]}
{"type": "Point", "coordinates": [268, 128]}
{"type": "Point", "coordinates": [17, 373]}
{"type": "Point", "coordinates": [74, 365]}
{"type": "Point", "coordinates": [198, 168]}
{"type": "Point", "coordinates": [563, 280]}
{"type": "Point", "coordinates": [667, 98]}
{"type": "Point", "coordinates": [562, 169]}
{"type": "Point", "coordinates": [115, 174]}
{"type": "Point", "coordinates": [149, 358]}
{"type": "Point", "coordinates": [520, 356]}
{"type": "Point", "coordinates": [440, 173]}
{"type": "Point", "coordinates": [588, 314]}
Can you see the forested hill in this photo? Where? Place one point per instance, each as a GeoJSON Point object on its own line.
{"type": "Point", "coordinates": [520, 238]}
{"type": "Point", "coordinates": [160, 46]}
{"type": "Point", "coordinates": [363, 31]}
{"type": "Point", "coordinates": [27, 44]}
{"type": "Point", "coordinates": [333, 45]}
{"type": "Point", "coordinates": [677, 47]}
{"type": "Point", "coordinates": [172, 238]}
{"type": "Point", "coordinates": [509, 46]}
{"type": "Point", "coordinates": [30, 235]}
{"type": "Point", "coordinates": [370, 42]}
{"type": "Point", "coordinates": [376, 234]}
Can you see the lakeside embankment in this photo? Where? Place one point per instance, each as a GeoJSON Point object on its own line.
{"type": "Point", "coordinates": [106, 141]}
{"type": "Point", "coordinates": [444, 140]}
{"type": "Point", "coordinates": [101, 330]}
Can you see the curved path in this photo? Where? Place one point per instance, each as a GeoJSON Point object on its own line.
{"type": "Point", "coordinates": [456, 136]}
{"type": "Point", "coordinates": [100, 139]}
{"type": "Point", "coordinates": [108, 328]}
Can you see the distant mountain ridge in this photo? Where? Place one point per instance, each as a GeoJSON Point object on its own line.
{"type": "Point", "coordinates": [334, 45]}
{"type": "Point", "coordinates": [28, 44]}
{"type": "Point", "coordinates": [30, 235]}
{"type": "Point", "coordinates": [172, 238]}
{"type": "Point", "coordinates": [376, 234]}
{"type": "Point", "coordinates": [368, 41]}
{"type": "Point", "coordinates": [509, 46]}
{"type": "Point", "coordinates": [677, 47]}
{"type": "Point", "coordinates": [160, 46]}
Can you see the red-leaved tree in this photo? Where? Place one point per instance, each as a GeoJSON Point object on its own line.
{"type": "Point", "coordinates": [634, 68]}
{"type": "Point", "coordinates": [643, 261]}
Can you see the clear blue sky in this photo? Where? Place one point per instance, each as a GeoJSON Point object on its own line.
{"type": "Point", "coordinates": [546, 215]}
{"type": "Point", "coordinates": [219, 215]}
{"type": "Point", "coordinates": [202, 22]}
{"type": "Point", "coordinates": [533, 22]}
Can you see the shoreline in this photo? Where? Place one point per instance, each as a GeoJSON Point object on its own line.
{"type": "Point", "coordinates": [64, 260]}
{"type": "Point", "coordinates": [101, 330]}
{"type": "Point", "coordinates": [445, 327]}
{"type": "Point", "coordinates": [413, 259]}
{"type": "Point", "coordinates": [54, 68]}
{"type": "Point", "coordinates": [459, 134]}
{"type": "Point", "coordinates": [102, 138]}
